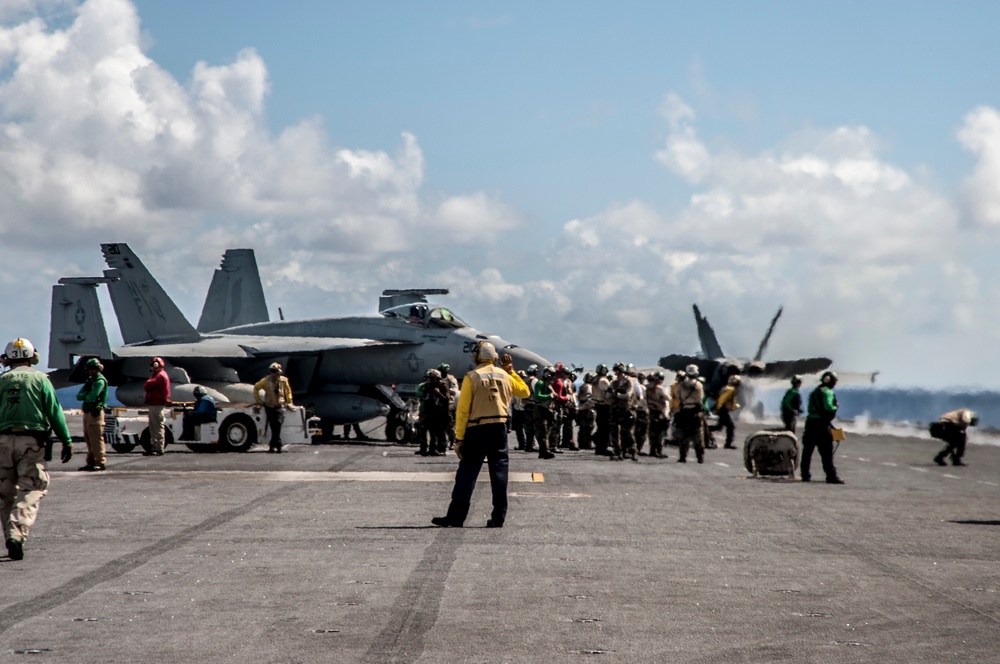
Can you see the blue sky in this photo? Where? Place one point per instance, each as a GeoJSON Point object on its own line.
{"type": "Point", "coordinates": [577, 173]}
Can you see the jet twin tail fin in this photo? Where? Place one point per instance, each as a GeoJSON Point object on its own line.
{"type": "Point", "coordinates": [710, 347]}
{"type": "Point", "coordinates": [236, 296]}
{"type": "Point", "coordinates": [77, 327]}
{"type": "Point", "coordinates": [145, 312]}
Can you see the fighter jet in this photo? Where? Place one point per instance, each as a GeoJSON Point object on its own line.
{"type": "Point", "coordinates": [344, 366]}
{"type": "Point", "coordinates": [716, 367]}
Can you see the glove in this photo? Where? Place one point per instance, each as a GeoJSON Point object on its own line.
{"type": "Point", "coordinates": [458, 449]}
{"type": "Point", "coordinates": [507, 363]}
{"type": "Point", "coordinates": [67, 452]}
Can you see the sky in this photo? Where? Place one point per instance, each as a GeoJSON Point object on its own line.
{"type": "Point", "coordinates": [578, 174]}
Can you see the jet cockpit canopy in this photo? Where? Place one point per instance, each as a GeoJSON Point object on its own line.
{"type": "Point", "coordinates": [425, 315]}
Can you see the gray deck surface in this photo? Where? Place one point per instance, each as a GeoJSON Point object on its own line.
{"type": "Point", "coordinates": [609, 561]}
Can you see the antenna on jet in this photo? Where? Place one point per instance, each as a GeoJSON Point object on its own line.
{"type": "Point", "coordinates": [281, 314]}
{"type": "Point", "coordinates": [393, 297]}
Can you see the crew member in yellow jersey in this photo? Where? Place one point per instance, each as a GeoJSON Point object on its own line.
{"type": "Point", "coordinates": [481, 434]}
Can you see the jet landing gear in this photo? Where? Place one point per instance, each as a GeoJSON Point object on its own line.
{"type": "Point", "coordinates": [399, 426]}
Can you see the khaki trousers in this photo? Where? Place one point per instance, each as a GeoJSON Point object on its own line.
{"type": "Point", "coordinates": [93, 434]}
{"type": "Point", "coordinates": [156, 423]}
{"type": "Point", "coordinates": [23, 483]}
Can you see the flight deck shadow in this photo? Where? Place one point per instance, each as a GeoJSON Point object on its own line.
{"type": "Point", "coordinates": [976, 522]}
{"type": "Point", "coordinates": [395, 527]}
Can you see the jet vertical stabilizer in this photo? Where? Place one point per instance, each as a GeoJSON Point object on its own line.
{"type": "Point", "coordinates": [767, 337]}
{"type": "Point", "coordinates": [236, 296]}
{"type": "Point", "coordinates": [710, 347]}
{"type": "Point", "coordinates": [77, 327]}
{"type": "Point", "coordinates": [145, 312]}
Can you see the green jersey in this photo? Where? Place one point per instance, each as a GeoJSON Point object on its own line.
{"type": "Point", "coordinates": [822, 404]}
{"type": "Point", "coordinates": [94, 393]}
{"type": "Point", "coordinates": [28, 401]}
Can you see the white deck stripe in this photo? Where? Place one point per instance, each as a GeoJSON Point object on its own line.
{"type": "Point", "coordinates": [297, 475]}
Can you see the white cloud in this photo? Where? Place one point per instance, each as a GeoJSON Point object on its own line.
{"type": "Point", "coordinates": [980, 134]}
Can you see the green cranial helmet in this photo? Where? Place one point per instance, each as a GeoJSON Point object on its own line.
{"type": "Point", "coordinates": [602, 370]}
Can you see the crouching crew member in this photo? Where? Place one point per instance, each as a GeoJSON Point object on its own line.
{"type": "Point", "coordinates": [28, 409]}
{"type": "Point", "coordinates": [94, 395]}
{"type": "Point", "coordinates": [952, 428]}
{"type": "Point", "coordinates": [818, 434]}
{"type": "Point", "coordinates": [481, 433]}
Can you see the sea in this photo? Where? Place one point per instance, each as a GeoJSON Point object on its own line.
{"type": "Point", "coordinates": [899, 411]}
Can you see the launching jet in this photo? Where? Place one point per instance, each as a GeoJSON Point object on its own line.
{"type": "Point", "coordinates": [716, 367]}
{"type": "Point", "coordinates": [343, 366]}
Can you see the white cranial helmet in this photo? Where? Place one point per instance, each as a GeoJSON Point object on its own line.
{"type": "Point", "coordinates": [20, 350]}
{"type": "Point", "coordinates": [486, 352]}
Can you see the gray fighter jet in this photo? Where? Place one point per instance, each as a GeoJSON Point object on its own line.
{"type": "Point", "coordinates": [344, 366]}
{"type": "Point", "coordinates": [716, 367]}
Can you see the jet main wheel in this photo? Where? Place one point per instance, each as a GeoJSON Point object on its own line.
{"type": "Point", "coordinates": [123, 448]}
{"type": "Point", "coordinates": [238, 433]}
{"type": "Point", "coordinates": [168, 438]}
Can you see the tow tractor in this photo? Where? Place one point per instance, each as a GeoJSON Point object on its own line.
{"type": "Point", "coordinates": [238, 427]}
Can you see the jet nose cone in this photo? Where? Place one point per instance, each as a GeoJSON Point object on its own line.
{"type": "Point", "coordinates": [522, 357]}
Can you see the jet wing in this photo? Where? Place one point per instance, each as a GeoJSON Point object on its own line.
{"type": "Point", "coordinates": [781, 369]}
{"type": "Point", "coordinates": [244, 347]}
{"type": "Point", "coordinates": [680, 362]}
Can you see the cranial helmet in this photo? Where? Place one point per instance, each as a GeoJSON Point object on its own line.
{"type": "Point", "coordinates": [602, 370]}
{"type": "Point", "coordinates": [559, 367]}
{"type": "Point", "coordinates": [486, 352]}
{"type": "Point", "coordinates": [630, 369]}
{"type": "Point", "coordinates": [21, 350]}
{"type": "Point", "coordinates": [619, 367]}
{"type": "Point", "coordinates": [587, 377]}
{"type": "Point", "coordinates": [200, 391]}
{"type": "Point", "coordinates": [93, 363]}
{"type": "Point", "coordinates": [796, 380]}
{"type": "Point", "coordinates": [691, 370]}
{"type": "Point", "coordinates": [275, 367]}
{"type": "Point", "coordinates": [157, 360]}
{"type": "Point", "coordinates": [658, 375]}
{"type": "Point", "coordinates": [548, 372]}
{"type": "Point", "coordinates": [734, 380]}
{"type": "Point", "coordinates": [444, 366]}
{"type": "Point", "coordinates": [532, 370]}
{"type": "Point", "coordinates": [681, 375]}
{"type": "Point", "coordinates": [829, 378]}
{"type": "Point", "coordinates": [433, 373]}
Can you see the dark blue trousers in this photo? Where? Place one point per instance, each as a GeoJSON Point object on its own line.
{"type": "Point", "coordinates": [486, 442]}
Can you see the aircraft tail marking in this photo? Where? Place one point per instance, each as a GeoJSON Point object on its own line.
{"type": "Point", "coordinates": [236, 296]}
{"type": "Point", "coordinates": [144, 310]}
{"type": "Point", "coordinates": [77, 326]}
